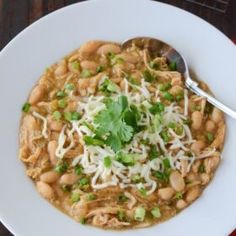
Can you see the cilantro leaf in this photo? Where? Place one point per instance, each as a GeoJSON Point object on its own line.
{"type": "Point", "coordinates": [125, 132]}
{"type": "Point", "coordinates": [111, 123]}
{"type": "Point", "coordinates": [114, 142]}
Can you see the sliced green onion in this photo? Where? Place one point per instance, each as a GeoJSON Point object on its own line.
{"type": "Point", "coordinates": [143, 192]}
{"type": "Point", "coordinates": [136, 178]}
{"type": "Point", "coordinates": [154, 65]}
{"type": "Point", "coordinates": [111, 55]}
{"type": "Point", "coordinates": [26, 107]}
{"type": "Point", "coordinates": [75, 115]}
{"type": "Point", "coordinates": [56, 115]}
{"type": "Point", "coordinates": [75, 197]}
{"type": "Point", "coordinates": [75, 65]}
{"type": "Point", "coordinates": [168, 96]}
{"type": "Point", "coordinates": [187, 121]}
{"type": "Point", "coordinates": [99, 69]}
{"type": "Point", "coordinates": [157, 108]}
{"type": "Point", "coordinates": [91, 197]}
{"type": "Point", "coordinates": [173, 66]}
{"type": "Point", "coordinates": [69, 87]}
{"type": "Point", "coordinates": [166, 163]}
{"type": "Point", "coordinates": [172, 125]}
{"type": "Point", "coordinates": [107, 162]}
{"type": "Point", "coordinates": [139, 214]}
{"type": "Point", "coordinates": [165, 136]}
{"type": "Point", "coordinates": [122, 198]}
{"type": "Point", "coordinates": [210, 137]}
{"type": "Point", "coordinates": [121, 215]}
{"type": "Point", "coordinates": [62, 103]}
{"type": "Point", "coordinates": [201, 168]}
{"type": "Point", "coordinates": [163, 176]}
{"type": "Point", "coordinates": [61, 94]}
{"type": "Point", "coordinates": [179, 97]}
{"type": "Point", "coordinates": [164, 87]}
{"type": "Point", "coordinates": [78, 170]}
{"type": "Point", "coordinates": [69, 116]}
{"type": "Point", "coordinates": [179, 129]}
{"type": "Point", "coordinates": [61, 168]}
{"type": "Point", "coordinates": [148, 76]}
{"type": "Point", "coordinates": [153, 153]}
{"type": "Point", "coordinates": [178, 195]}
{"type": "Point", "coordinates": [156, 213]}
{"type": "Point", "coordinates": [85, 73]}
{"type": "Point", "coordinates": [83, 221]}
{"type": "Point", "coordinates": [84, 181]}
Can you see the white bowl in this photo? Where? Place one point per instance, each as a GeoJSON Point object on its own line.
{"type": "Point", "coordinates": [22, 61]}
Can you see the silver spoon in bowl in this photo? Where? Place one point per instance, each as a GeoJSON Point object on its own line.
{"type": "Point", "coordinates": [158, 48]}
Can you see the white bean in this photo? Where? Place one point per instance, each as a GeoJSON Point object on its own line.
{"type": "Point", "coordinates": [210, 126]}
{"type": "Point", "coordinates": [49, 177]}
{"type": "Point", "coordinates": [198, 146]}
{"type": "Point", "coordinates": [37, 94]}
{"type": "Point", "coordinates": [108, 48]}
{"type": "Point", "coordinates": [177, 181]}
{"type": "Point", "coordinates": [180, 204]}
{"type": "Point", "coordinates": [217, 115]}
{"type": "Point", "coordinates": [166, 193]}
{"type": "Point", "coordinates": [45, 190]}
{"type": "Point", "coordinates": [193, 193]}
{"type": "Point", "coordinates": [68, 179]}
{"type": "Point", "coordinates": [196, 120]}
{"type": "Point", "coordinates": [52, 146]}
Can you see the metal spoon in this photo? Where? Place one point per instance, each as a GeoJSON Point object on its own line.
{"type": "Point", "coordinates": [158, 48]}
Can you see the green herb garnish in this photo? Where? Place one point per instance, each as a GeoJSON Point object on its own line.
{"type": "Point", "coordinates": [122, 198]}
{"type": "Point", "coordinates": [201, 168]}
{"type": "Point", "coordinates": [61, 168]}
{"type": "Point", "coordinates": [156, 213]}
{"type": "Point", "coordinates": [56, 115]}
{"type": "Point", "coordinates": [110, 121]}
{"type": "Point", "coordinates": [153, 153]}
{"type": "Point", "coordinates": [69, 87]}
{"type": "Point", "coordinates": [91, 197]}
{"type": "Point", "coordinates": [164, 87]}
{"type": "Point", "coordinates": [62, 103]}
{"type": "Point", "coordinates": [75, 65]}
{"type": "Point", "coordinates": [78, 170]}
{"type": "Point", "coordinates": [139, 213]}
{"type": "Point", "coordinates": [85, 73]}
{"type": "Point", "coordinates": [143, 192]}
{"type": "Point", "coordinates": [93, 141]}
{"type": "Point", "coordinates": [26, 107]}
{"type": "Point", "coordinates": [148, 76]}
{"type": "Point", "coordinates": [168, 96]}
{"type": "Point", "coordinates": [210, 137]}
{"type": "Point", "coordinates": [99, 69]}
{"type": "Point", "coordinates": [157, 108]}
{"type": "Point", "coordinates": [107, 162]}
{"type": "Point", "coordinates": [173, 66]}
{"type": "Point", "coordinates": [75, 197]}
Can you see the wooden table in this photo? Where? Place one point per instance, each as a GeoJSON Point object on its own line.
{"type": "Point", "coordinates": [15, 15]}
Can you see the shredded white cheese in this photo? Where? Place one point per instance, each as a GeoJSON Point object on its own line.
{"type": "Point", "coordinates": [118, 174]}
{"type": "Point", "coordinates": [44, 130]}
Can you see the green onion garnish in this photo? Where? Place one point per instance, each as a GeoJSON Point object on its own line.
{"type": "Point", "coordinates": [139, 214]}
{"type": "Point", "coordinates": [26, 107]}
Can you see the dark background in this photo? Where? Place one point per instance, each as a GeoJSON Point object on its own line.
{"type": "Point", "coordinates": [15, 15]}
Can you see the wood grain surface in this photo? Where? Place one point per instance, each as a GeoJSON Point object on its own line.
{"type": "Point", "coordinates": [15, 15]}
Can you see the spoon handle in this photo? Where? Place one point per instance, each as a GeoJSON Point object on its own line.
{"type": "Point", "coordinates": [193, 86]}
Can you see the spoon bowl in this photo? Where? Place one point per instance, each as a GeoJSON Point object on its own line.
{"type": "Point", "coordinates": [159, 48]}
